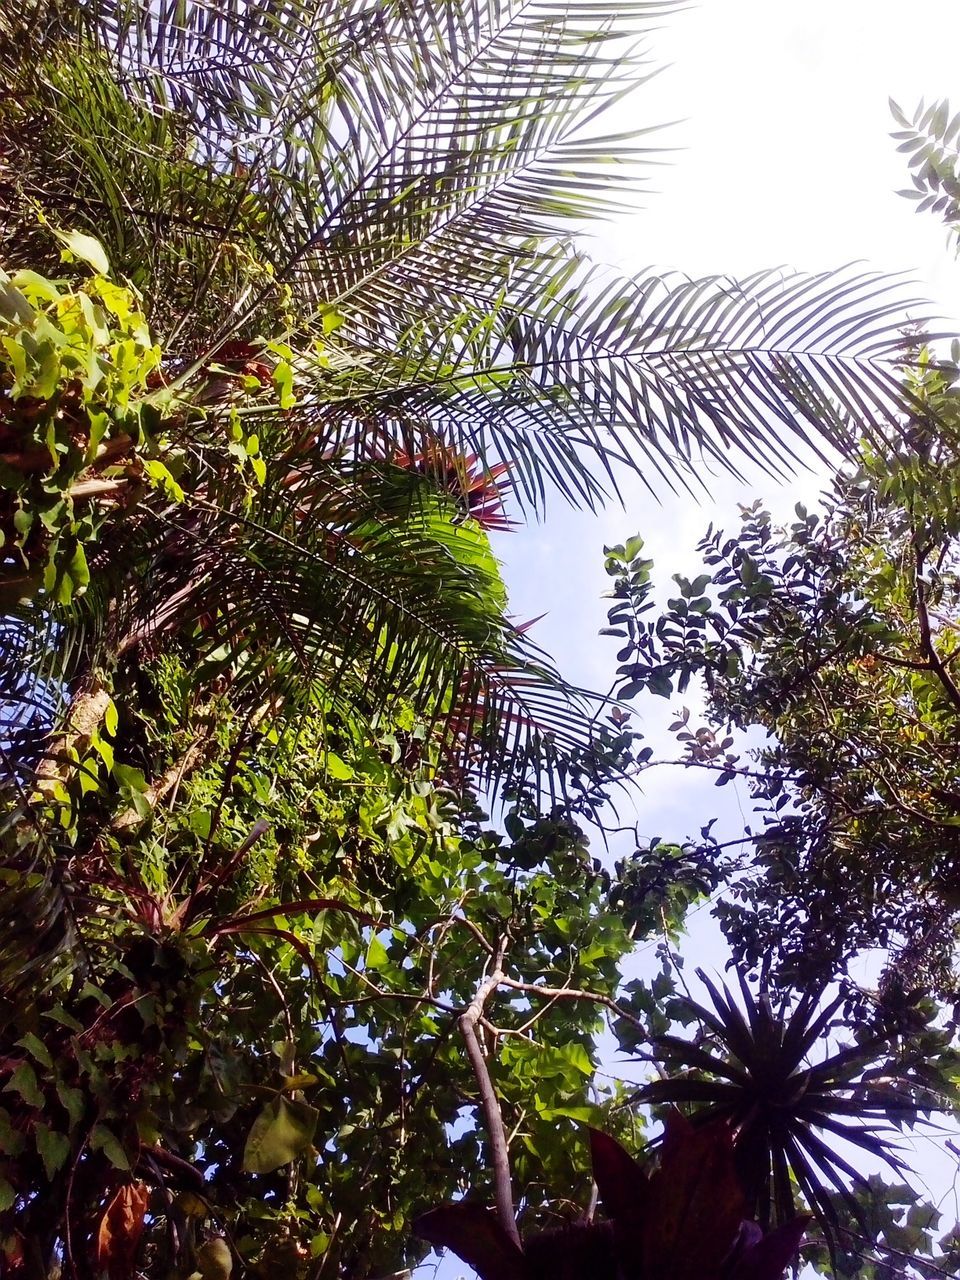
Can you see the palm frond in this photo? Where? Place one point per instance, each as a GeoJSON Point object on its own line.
{"type": "Point", "coordinates": [413, 172]}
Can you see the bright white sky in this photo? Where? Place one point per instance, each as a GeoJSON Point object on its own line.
{"type": "Point", "coordinates": [783, 158]}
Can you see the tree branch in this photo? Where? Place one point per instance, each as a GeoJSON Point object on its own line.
{"type": "Point", "coordinates": [926, 637]}
{"type": "Point", "coordinates": [467, 1022]}
{"type": "Point", "coordinates": [572, 993]}
{"type": "Point", "coordinates": [83, 720]}
{"type": "Point", "coordinates": [171, 778]}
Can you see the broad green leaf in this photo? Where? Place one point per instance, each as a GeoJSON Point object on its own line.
{"type": "Point", "coordinates": [377, 957]}
{"type": "Point", "coordinates": [660, 684]}
{"type": "Point", "coordinates": [11, 1139]}
{"type": "Point", "coordinates": [102, 1139]}
{"type": "Point", "coordinates": [36, 286]}
{"type": "Point", "coordinates": [24, 1082]}
{"type": "Point", "coordinates": [74, 1102]}
{"type": "Point", "coordinates": [111, 718]}
{"type": "Point", "coordinates": [53, 1146]}
{"type": "Point", "coordinates": [13, 305]}
{"type": "Point", "coordinates": [129, 778]}
{"type": "Point", "coordinates": [283, 381]}
{"type": "Point", "coordinates": [338, 768]}
{"type": "Point", "coordinates": [37, 1049]}
{"type": "Point", "coordinates": [79, 247]}
{"type": "Point", "coordinates": [282, 1131]}
{"type": "Point", "coordinates": [161, 478]}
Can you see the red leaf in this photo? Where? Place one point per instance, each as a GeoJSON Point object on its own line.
{"type": "Point", "coordinates": [11, 1255]}
{"type": "Point", "coordinates": [120, 1229]}
{"type": "Point", "coordinates": [694, 1207]}
{"type": "Point", "coordinates": [621, 1181]}
{"type": "Point", "coordinates": [768, 1258]}
{"type": "Point", "coordinates": [476, 1237]}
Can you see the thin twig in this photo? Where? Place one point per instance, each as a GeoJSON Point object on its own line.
{"type": "Point", "coordinates": [167, 783]}
{"type": "Point", "coordinates": [477, 933]}
{"type": "Point", "coordinates": [926, 637]}
{"type": "Point", "coordinates": [572, 993]}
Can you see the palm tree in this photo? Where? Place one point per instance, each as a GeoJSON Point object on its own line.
{"type": "Point", "coordinates": [370, 207]}
{"type": "Point", "coordinates": [412, 173]}
{"type": "Point", "coordinates": [399, 183]}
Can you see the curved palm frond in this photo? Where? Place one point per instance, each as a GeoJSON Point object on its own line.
{"type": "Point", "coordinates": [410, 173]}
{"type": "Point", "coordinates": [661, 373]}
{"type": "Point", "coordinates": [355, 587]}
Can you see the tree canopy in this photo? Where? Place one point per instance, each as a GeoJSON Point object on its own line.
{"type": "Point", "coordinates": [823, 653]}
{"type": "Point", "coordinates": [290, 317]}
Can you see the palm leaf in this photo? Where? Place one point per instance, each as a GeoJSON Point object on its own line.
{"type": "Point", "coordinates": [414, 171]}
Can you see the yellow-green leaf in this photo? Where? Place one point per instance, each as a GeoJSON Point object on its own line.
{"type": "Point", "coordinates": [79, 247]}
{"type": "Point", "coordinates": [282, 1131]}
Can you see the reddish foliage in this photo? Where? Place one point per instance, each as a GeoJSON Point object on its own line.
{"type": "Point", "coordinates": [120, 1229]}
{"type": "Point", "coordinates": [682, 1221]}
{"type": "Point", "coordinates": [465, 477]}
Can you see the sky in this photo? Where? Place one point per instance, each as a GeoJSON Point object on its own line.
{"type": "Point", "coordinates": [781, 156]}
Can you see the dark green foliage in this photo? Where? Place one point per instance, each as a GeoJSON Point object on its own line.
{"type": "Point", "coordinates": [233, 1030]}
{"type": "Point", "coordinates": [291, 299]}
{"type": "Point", "coordinates": [836, 639]}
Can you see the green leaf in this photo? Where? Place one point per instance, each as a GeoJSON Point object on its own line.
{"type": "Point", "coordinates": [102, 1139]}
{"type": "Point", "coordinates": [11, 1139]}
{"type": "Point", "coordinates": [200, 821]}
{"type": "Point", "coordinates": [331, 319]}
{"type": "Point", "coordinates": [110, 718]}
{"type": "Point", "coordinates": [162, 479]}
{"type": "Point", "coordinates": [24, 1082]}
{"type": "Point", "coordinates": [53, 1146]}
{"type": "Point", "coordinates": [283, 381]}
{"type": "Point", "coordinates": [13, 305]}
{"type": "Point", "coordinates": [37, 1049]}
{"type": "Point", "coordinates": [660, 684]}
{"type": "Point", "coordinates": [337, 768]}
{"type": "Point", "coordinates": [58, 1014]}
{"type": "Point", "coordinates": [129, 779]}
{"type": "Point", "coordinates": [377, 957]}
{"type": "Point", "coordinates": [7, 1195]}
{"type": "Point", "coordinates": [282, 1131]}
{"type": "Point", "coordinates": [79, 247]}
{"type": "Point", "coordinates": [74, 1102]}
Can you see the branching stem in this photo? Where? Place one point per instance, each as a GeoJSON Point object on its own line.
{"type": "Point", "coordinates": [467, 1022]}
